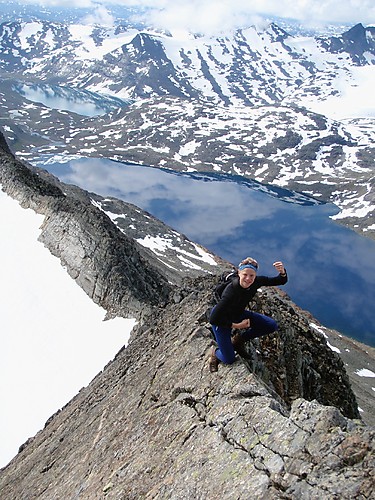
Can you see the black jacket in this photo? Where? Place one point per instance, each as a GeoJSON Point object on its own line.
{"type": "Point", "coordinates": [235, 299]}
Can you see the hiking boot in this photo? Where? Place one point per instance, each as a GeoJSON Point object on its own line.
{"type": "Point", "coordinates": [213, 361]}
{"type": "Point", "coordinates": [238, 343]}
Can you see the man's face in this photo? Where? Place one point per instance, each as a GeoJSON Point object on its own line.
{"type": "Point", "coordinates": [247, 277]}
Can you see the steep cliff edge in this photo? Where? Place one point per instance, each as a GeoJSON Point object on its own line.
{"type": "Point", "coordinates": [115, 270]}
{"type": "Point", "coordinates": [155, 423]}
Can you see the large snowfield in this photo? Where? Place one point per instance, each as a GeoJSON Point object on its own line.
{"type": "Point", "coordinates": [54, 339]}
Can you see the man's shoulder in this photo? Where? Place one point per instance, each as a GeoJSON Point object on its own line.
{"type": "Point", "coordinates": [233, 286]}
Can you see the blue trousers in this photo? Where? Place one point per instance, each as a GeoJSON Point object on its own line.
{"type": "Point", "coordinates": [260, 325]}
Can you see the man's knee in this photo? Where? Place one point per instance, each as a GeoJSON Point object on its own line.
{"type": "Point", "coordinates": [267, 325]}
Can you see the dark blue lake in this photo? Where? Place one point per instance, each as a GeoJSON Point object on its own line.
{"type": "Point", "coordinates": [331, 268]}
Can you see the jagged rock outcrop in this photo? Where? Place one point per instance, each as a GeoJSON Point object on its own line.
{"type": "Point", "coordinates": [156, 424]}
{"type": "Point", "coordinates": [281, 423]}
{"type": "Point", "coordinates": [292, 361]}
{"type": "Point", "coordinates": [112, 268]}
{"type": "Point", "coordinates": [103, 261]}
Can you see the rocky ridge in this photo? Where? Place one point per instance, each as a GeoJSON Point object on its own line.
{"type": "Point", "coordinates": [156, 424]}
{"type": "Point", "coordinates": [283, 423]}
{"type": "Point", "coordinates": [102, 259]}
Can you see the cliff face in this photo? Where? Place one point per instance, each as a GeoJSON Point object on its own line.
{"type": "Point", "coordinates": [114, 270]}
{"type": "Point", "coordinates": [103, 261]}
{"type": "Point", "coordinates": [155, 423]}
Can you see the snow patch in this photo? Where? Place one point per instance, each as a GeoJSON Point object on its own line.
{"type": "Point", "coordinates": [54, 339]}
{"type": "Point", "coordinates": [364, 372]}
{"type": "Point", "coordinates": [321, 330]}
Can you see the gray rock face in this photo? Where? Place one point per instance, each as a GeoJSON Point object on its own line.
{"type": "Point", "coordinates": [112, 268]}
{"type": "Point", "coordinates": [292, 361]}
{"type": "Point", "coordinates": [282, 422]}
{"type": "Point", "coordinates": [156, 424]}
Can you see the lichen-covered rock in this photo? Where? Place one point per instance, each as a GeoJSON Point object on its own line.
{"type": "Point", "coordinates": [295, 361]}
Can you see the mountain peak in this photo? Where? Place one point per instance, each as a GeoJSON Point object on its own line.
{"type": "Point", "coordinates": [155, 423]}
{"type": "Point", "coordinates": [354, 42]}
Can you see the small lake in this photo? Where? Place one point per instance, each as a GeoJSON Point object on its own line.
{"type": "Point", "coordinates": [331, 268]}
{"type": "Point", "coordinates": [79, 101]}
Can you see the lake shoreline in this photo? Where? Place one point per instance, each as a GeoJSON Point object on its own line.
{"type": "Point", "coordinates": [321, 256]}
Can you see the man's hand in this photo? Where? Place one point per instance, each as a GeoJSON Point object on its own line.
{"type": "Point", "coordinates": [245, 323]}
{"type": "Point", "coordinates": [279, 267]}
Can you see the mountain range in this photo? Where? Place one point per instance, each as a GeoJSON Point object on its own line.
{"type": "Point", "coordinates": [288, 110]}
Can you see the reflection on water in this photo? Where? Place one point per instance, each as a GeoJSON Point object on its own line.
{"type": "Point", "coordinates": [330, 267]}
{"type": "Point", "coordinates": [78, 101]}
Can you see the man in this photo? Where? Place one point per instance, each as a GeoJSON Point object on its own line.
{"type": "Point", "coordinates": [231, 313]}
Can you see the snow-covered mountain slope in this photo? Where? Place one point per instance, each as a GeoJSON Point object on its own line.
{"type": "Point", "coordinates": [279, 145]}
{"type": "Point", "coordinates": [54, 338]}
{"type": "Point", "coordinates": [248, 66]}
{"type": "Point", "coordinates": [294, 110]}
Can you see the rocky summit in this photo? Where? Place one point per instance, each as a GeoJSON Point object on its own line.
{"type": "Point", "coordinates": [280, 423]}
